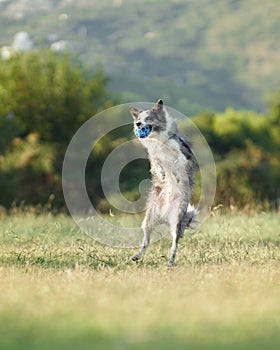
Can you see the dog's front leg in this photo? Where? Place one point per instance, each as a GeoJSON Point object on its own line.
{"type": "Point", "coordinates": [158, 171]}
{"type": "Point", "coordinates": [147, 227]}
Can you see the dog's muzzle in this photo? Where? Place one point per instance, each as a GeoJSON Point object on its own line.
{"type": "Point", "coordinates": [142, 132]}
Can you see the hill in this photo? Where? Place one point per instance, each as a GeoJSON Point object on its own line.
{"type": "Point", "coordinates": [195, 54]}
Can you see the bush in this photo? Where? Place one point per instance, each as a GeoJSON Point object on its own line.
{"type": "Point", "coordinates": [246, 150]}
{"type": "Point", "coordinates": [44, 98]}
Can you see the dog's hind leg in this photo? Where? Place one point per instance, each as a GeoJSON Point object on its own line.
{"type": "Point", "coordinates": [145, 243]}
{"type": "Point", "coordinates": [147, 226]}
{"type": "Point", "coordinates": [177, 231]}
{"type": "Point", "coordinates": [175, 239]}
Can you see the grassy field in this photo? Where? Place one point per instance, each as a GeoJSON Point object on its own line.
{"type": "Point", "coordinates": [60, 289]}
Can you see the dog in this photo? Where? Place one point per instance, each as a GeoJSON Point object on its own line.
{"type": "Point", "coordinates": [172, 164]}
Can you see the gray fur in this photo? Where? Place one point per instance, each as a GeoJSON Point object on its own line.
{"type": "Point", "coordinates": [172, 168]}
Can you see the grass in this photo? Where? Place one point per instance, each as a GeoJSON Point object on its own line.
{"type": "Point", "coordinates": [60, 289]}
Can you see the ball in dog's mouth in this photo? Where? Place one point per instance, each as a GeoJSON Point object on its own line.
{"type": "Point", "coordinates": [143, 131]}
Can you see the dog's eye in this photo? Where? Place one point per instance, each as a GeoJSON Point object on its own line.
{"type": "Point", "coordinates": [149, 120]}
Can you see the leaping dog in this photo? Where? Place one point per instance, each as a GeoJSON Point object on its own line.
{"type": "Point", "coordinates": [172, 167]}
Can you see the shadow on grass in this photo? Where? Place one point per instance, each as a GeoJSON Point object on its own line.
{"type": "Point", "coordinates": [43, 338]}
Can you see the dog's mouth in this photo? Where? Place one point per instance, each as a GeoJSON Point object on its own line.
{"type": "Point", "coordinates": [142, 131]}
{"type": "Point", "coordinates": [150, 127]}
{"type": "Point", "coordinates": [140, 125]}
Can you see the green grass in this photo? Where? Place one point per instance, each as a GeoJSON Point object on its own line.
{"type": "Point", "coordinates": [60, 289]}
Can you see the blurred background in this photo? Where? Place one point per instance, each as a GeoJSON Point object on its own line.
{"type": "Point", "coordinates": [62, 61]}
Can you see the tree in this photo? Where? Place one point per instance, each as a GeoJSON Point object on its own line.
{"type": "Point", "coordinates": [44, 99]}
{"type": "Point", "coordinates": [49, 94]}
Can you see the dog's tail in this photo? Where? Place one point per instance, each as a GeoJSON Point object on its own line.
{"type": "Point", "coordinates": [191, 217]}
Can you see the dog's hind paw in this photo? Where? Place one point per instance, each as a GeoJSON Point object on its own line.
{"type": "Point", "coordinates": [135, 257]}
{"type": "Point", "coordinates": [171, 264]}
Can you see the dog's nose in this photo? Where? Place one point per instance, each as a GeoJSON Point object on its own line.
{"type": "Point", "coordinates": [138, 124]}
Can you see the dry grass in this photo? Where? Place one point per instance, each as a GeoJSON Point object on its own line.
{"type": "Point", "coordinates": [61, 289]}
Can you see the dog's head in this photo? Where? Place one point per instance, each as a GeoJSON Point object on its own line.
{"type": "Point", "coordinates": [148, 121]}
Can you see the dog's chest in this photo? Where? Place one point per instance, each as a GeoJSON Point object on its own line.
{"type": "Point", "coordinates": [162, 151]}
{"type": "Point", "coordinates": [167, 160]}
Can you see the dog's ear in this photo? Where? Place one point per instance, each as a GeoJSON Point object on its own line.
{"type": "Point", "coordinates": [158, 107]}
{"type": "Point", "coordinates": [134, 112]}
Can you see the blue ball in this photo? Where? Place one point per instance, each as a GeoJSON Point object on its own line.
{"type": "Point", "coordinates": [142, 132]}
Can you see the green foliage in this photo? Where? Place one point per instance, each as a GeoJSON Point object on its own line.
{"type": "Point", "coordinates": [247, 153]}
{"type": "Point", "coordinates": [44, 99]}
{"type": "Point", "coordinates": [49, 94]}
{"type": "Point", "coordinates": [27, 171]}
